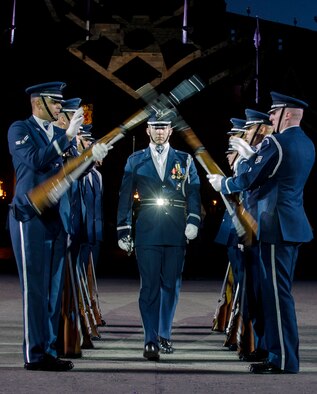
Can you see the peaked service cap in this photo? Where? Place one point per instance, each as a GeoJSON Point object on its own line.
{"type": "Point", "coordinates": [71, 105]}
{"type": "Point", "coordinates": [53, 90]}
{"type": "Point", "coordinates": [255, 117]}
{"type": "Point", "coordinates": [282, 101]}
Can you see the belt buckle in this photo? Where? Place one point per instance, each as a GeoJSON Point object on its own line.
{"type": "Point", "coordinates": [161, 202]}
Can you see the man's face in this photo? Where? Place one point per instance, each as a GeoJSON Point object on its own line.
{"type": "Point", "coordinates": [82, 143]}
{"type": "Point", "coordinates": [159, 134]}
{"type": "Point", "coordinates": [275, 118]}
{"type": "Point", "coordinates": [249, 133]}
{"type": "Point", "coordinates": [48, 106]}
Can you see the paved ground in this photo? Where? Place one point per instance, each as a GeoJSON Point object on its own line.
{"type": "Point", "coordinates": [116, 365]}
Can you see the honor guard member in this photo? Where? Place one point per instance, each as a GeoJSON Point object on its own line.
{"type": "Point", "coordinates": [169, 215]}
{"type": "Point", "coordinates": [227, 234]}
{"type": "Point", "coordinates": [70, 205]}
{"type": "Point", "coordinates": [92, 192]}
{"type": "Point", "coordinates": [92, 229]}
{"type": "Point", "coordinates": [70, 208]}
{"type": "Point", "coordinates": [93, 220]}
{"type": "Point", "coordinates": [280, 168]}
{"type": "Point", "coordinates": [39, 241]}
{"type": "Point", "coordinates": [73, 212]}
{"type": "Point", "coordinates": [257, 126]}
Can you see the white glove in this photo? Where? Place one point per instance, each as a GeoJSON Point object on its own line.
{"type": "Point", "coordinates": [126, 244]}
{"type": "Point", "coordinates": [100, 151]}
{"type": "Point", "coordinates": [242, 147]}
{"type": "Point", "coordinates": [191, 231]}
{"type": "Point", "coordinates": [215, 181]}
{"type": "Point", "coordinates": [75, 123]}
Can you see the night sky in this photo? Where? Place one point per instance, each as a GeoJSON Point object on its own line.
{"type": "Point", "coordinates": [281, 11]}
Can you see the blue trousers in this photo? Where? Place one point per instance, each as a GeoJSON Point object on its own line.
{"type": "Point", "coordinates": [160, 269]}
{"type": "Point", "coordinates": [40, 257]}
{"type": "Point", "coordinates": [280, 324]}
{"type": "Point", "coordinates": [253, 270]}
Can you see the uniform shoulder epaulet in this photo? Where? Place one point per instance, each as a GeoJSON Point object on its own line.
{"type": "Point", "coordinates": [180, 152]}
{"type": "Point", "coordinates": [137, 153]}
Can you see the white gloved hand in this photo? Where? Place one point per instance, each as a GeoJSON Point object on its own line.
{"type": "Point", "coordinates": [242, 147]}
{"type": "Point", "coordinates": [75, 123]}
{"type": "Point", "coordinates": [126, 244]}
{"type": "Point", "coordinates": [215, 181]}
{"type": "Point", "coordinates": [191, 231]}
{"type": "Point", "coordinates": [100, 151]}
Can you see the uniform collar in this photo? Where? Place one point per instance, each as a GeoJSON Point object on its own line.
{"type": "Point", "coordinates": [154, 151]}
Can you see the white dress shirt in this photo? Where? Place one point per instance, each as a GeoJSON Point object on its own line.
{"type": "Point", "coordinates": [159, 159]}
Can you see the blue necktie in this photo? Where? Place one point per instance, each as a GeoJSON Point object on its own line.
{"type": "Point", "coordinates": [159, 148]}
{"type": "Point", "coordinates": [46, 123]}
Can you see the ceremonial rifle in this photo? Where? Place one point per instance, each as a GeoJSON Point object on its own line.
{"type": "Point", "coordinates": [84, 315]}
{"type": "Point", "coordinates": [72, 335]}
{"type": "Point", "coordinates": [233, 324]}
{"type": "Point", "coordinates": [221, 314]}
{"type": "Point", "coordinates": [243, 221]}
{"type": "Point", "coordinates": [50, 191]}
{"type": "Point", "coordinates": [244, 329]}
{"type": "Point", "coordinates": [92, 316]}
{"type": "Point", "coordinates": [240, 329]}
{"type": "Point", "coordinates": [92, 284]}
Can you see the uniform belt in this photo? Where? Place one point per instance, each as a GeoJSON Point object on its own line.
{"type": "Point", "coordinates": [163, 202]}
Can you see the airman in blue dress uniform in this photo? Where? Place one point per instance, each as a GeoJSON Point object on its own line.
{"type": "Point", "coordinates": [257, 126]}
{"type": "Point", "coordinates": [280, 168]}
{"type": "Point", "coordinates": [93, 222]}
{"type": "Point", "coordinates": [70, 208]}
{"type": "Point", "coordinates": [74, 214]}
{"type": "Point", "coordinates": [39, 241]}
{"type": "Point", "coordinates": [228, 235]}
{"type": "Point", "coordinates": [168, 216]}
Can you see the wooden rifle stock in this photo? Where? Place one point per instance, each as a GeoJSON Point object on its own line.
{"type": "Point", "coordinates": [91, 314]}
{"type": "Point", "coordinates": [245, 338]}
{"type": "Point", "coordinates": [208, 163]}
{"type": "Point", "coordinates": [244, 332]}
{"type": "Point", "coordinates": [49, 192]}
{"type": "Point", "coordinates": [93, 290]}
{"type": "Point", "coordinates": [221, 315]}
{"type": "Point", "coordinates": [234, 320]}
{"type": "Point", "coordinates": [84, 315]}
{"type": "Point", "coordinates": [72, 333]}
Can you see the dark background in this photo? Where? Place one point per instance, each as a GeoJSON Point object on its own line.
{"type": "Point", "coordinates": [40, 53]}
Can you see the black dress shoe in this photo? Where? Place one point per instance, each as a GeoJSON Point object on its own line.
{"type": "Point", "coordinates": [165, 345]}
{"type": "Point", "coordinates": [266, 368]}
{"type": "Point", "coordinates": [255, 356]}
{"type": "Point", "coordinates": [50, 363]}
{"type": "Point", "coordinates": [33, 366]}
{"type": "Point", "coordinates": [151, 352]}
